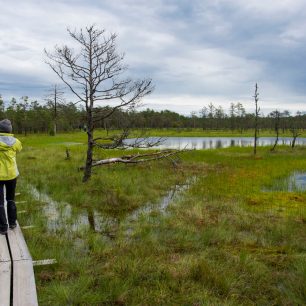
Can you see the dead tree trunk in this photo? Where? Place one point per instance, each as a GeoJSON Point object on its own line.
{"type": "Point", "coordinates": [257, 110]}
{"type": "Point", "coordinates": [295, 135]}
{"type": "Point", "coordinates": [54, 100]}
{"type": "Point", "coordinates": [89, 110]}
{"type": "Point", "coordinates": [55, 111]}
{"type": "Point", "coordinates": [90, 145]}
{"type": "Point", "coordinates": [276, 128]}
{"type": "Point", "coordinates": [293, 142]}
{"type": "Point", "coordinates": [276, 141]}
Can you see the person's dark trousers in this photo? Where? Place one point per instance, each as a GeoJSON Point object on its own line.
{"type": "Point", "coordinates": [10, 187]}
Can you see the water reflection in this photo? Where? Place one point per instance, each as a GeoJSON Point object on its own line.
{"type": "Point", "coordinates": [296, 182]}
{"type": "Point", "coordinates": [173, 194]}
{"type": "Point", "coordinates": [91, 218]}
{"type": "Point", "coordinates": [62, 216]}
{"type": "Point", "coordinates": [299, 181]}
{"type": "Point", "coordinates": [219, 142]}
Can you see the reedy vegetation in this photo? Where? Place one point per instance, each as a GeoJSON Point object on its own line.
{"type": "Point", "coordinates": [224, 242]}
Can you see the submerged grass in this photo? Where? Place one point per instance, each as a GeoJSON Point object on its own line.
{"type": "Point", "coordinates": [225, 241]}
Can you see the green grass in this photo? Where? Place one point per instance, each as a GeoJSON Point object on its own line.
{"type": "Point", "coordinates": [225, 241]}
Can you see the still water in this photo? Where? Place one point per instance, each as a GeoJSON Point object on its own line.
{"type": "Point", "coordinates": [63, 216]}
{"type": "Point", "coordinates": [217, 142]}
{"type": "Point", "coordinates": [296, 182]}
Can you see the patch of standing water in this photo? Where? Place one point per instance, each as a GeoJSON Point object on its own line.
{"type": "Point", "coordinates": [61, 215]}
{"type": "Point", "coordinates": [69, 143]}
{"type": "Point", "coordinates": [296, 182]}
{"type": "Point", "coordinates": [173, 194]}
{"type": "Point", "coordinates": [202, 143]}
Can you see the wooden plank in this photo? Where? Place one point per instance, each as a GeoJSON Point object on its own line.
{"type": "Point", "coordinates": [24, 289]}
{"type": "Point", "coordinates": [18, 245]}
{"type": "Point", "coordinates": [28, 226]}
{"type": "Point", "coordinates": [44, 262]}
{"type": "Point", "coordinates": [5, 272]}
{"type": "Point", "coordinates": [5, 283]}
{"type": "Point", "coordinates": [4, 251]}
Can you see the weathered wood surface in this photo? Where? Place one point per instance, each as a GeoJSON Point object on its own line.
{"type": "Point", "coordinates": [4, 251]}
{"type": "Point", "coordinates": [18, 245]}
{"type": "Point", "coordinates": [24, 288]}
{"type": "Point", "coordinates": [5, 272]}
{"type": "Point", "coordinates": [20, 263]}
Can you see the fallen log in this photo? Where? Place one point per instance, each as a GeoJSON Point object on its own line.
{"type": "Point", "coordinates": [139, 158]}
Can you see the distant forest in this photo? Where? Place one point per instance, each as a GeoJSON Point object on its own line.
{"type": "Point", "coordinates": [34, 117]}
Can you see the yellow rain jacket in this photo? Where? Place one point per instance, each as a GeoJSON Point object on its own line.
{"type": "Point", "coordinates": [9, 146]}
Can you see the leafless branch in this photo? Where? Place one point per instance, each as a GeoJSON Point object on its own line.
{"type": "Point", "coordinates": [95, 74]}
{"type": "Point", "coordinates": [137, 158]}
{"type": "Point", "coordinates": [121, 142]}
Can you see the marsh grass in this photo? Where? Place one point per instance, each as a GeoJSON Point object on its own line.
{"type": "Point", "coordinates": [224, 241]}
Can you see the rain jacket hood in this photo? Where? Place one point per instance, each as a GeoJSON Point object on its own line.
{"type": "Point", "coordinates": [9, 146]}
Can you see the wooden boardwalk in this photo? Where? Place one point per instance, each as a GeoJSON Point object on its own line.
{"type": "Point", "coordinates": [17, 282]}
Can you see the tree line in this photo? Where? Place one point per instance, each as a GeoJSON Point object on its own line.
{"type": "Point", "coordinates": [39, 117]}
{"type": "Point", "coordinates": [34, 117]}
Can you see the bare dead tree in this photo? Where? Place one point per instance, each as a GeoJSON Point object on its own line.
{"type": "Point", "coordinates": [54, 98]}
{"type": "Point", "coordinates": [295, 134]}
{"type": "Point", "coordinates": [276, 116]}
{"type": "Point", "coordinates": [24, 108]}
{"type": "Point", "coordinates": [95, 74]}
{"type": "Point", "coordinates": [257, 110]}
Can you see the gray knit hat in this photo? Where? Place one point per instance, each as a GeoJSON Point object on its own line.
{"type": "Point", "coordinates": [5, 126]}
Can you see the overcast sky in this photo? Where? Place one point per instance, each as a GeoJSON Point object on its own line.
{"type": "Point", "coordinates": [196, 51]}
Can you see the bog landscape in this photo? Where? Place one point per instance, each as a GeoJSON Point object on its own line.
{"type": "Point", "coordinates": [121, 202]}
{"type": "Point", "coordinates": [220, 225]}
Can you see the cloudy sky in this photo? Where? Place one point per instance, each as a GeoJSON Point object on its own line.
{"type": "Point", "coordinates": [196, 51]}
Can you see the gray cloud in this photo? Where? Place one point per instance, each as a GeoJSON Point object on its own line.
{"type": "Point", "coordinates": [196, 51]}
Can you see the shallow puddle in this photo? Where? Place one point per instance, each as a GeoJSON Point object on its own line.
{"type": "Point", "coordinates": [68, 143]}
{"type": "Point", "coordinates": [62, 216]}
{"type": "Point", "coordinates": [296, 182]}
{"type": "Point", "coordinates": [173, 194]}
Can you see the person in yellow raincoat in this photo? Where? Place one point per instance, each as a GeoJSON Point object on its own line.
{"type": "Point", "coordinates": [9, 146]}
